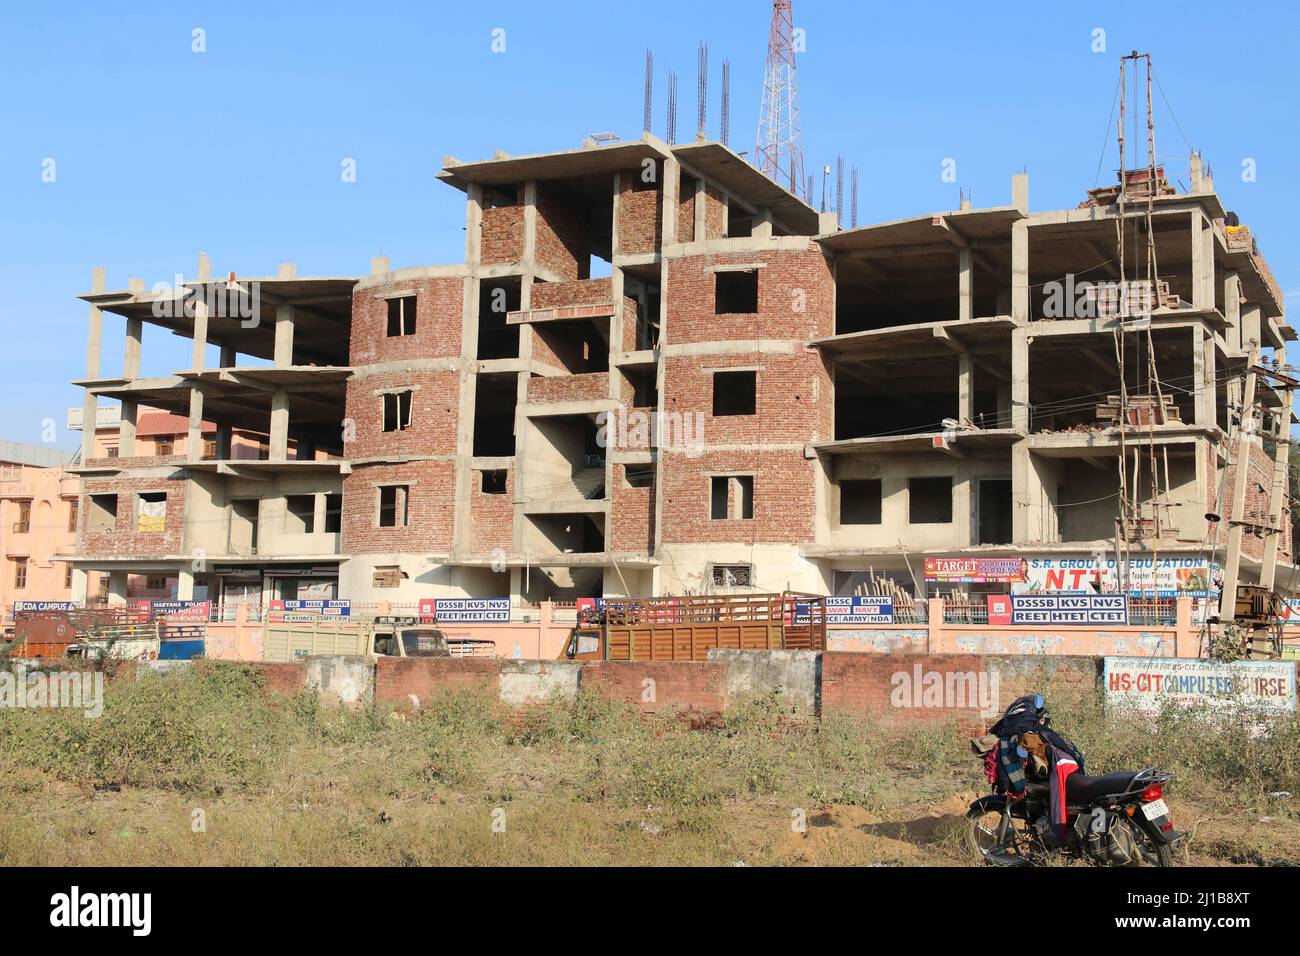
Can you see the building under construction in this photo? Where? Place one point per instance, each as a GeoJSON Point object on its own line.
{"type": "Point", "coordinates": [657, 370]}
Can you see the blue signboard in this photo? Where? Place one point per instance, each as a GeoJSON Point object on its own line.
{"type": "Point", "coordinates": [860, 609]}
{"type": "Point", "coordinates": [472, 610]}
{"type": "Point", "coordinates": [338, 608]}
{"type": "Point", "coordinates": [45, 606]}
{"type": "Point", "coordinates": [1084, 609]}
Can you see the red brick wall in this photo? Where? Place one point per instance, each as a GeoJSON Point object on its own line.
{"type": "Point", "coordinates": [438, 321]}
{"type": "Point", "coordinates": [126, 540]}
{"type": "Point", "coordinates": [686, 211]}
{"type": "Point", "coordinates": [692, 685]}
{"type": "Point", "coordinates": [548, 389]}
{"type": "Point", "coordinates": [713, 213]}
{"type": "Point", "coordinates": [431, 508]}
{"type": "Point", "coordinates": [547, 295]}
{"type": "Point", "coordinates": [784, 497]}
{"type": "Point", "coordinates": [631, 520]}
{"type": "Point", "coordinates": [793, 398]}
{"type": "Point", "coordinates": [491, 516]}
{"type": "Point", "coordinates": [398, 677]}
{"type": "Point", "coordinates": [562, 243]}
{"type": "Point", "coordinates": [1259, 486]}
{"type": "Point", "coordinates": [690, 292]}
{"type": "Point", "coordinates": [639, 227]}
{"type": "Point", "coordinates": [434, 405]}
{"type": "Point", "coordinates": [503, 233]}
{"type": "Point", "coordinates": [877, 683]}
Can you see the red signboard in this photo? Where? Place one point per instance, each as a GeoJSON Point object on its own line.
{"type": "Point", "coordinates": [976, 570]}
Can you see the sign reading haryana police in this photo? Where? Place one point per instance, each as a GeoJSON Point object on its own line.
{"type": "Point", "coordinates": [1144, 683]}
{"type": "Point", "coordinates": [1079, 609]}
{"type": "Point", "coordinates": [466, 610]}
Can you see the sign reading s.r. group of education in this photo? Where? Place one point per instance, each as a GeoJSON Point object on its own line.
{"type": "Point", "coordinates": [1259, 687]}
{"type": "Point", "coordinates": [465, 610]}
{"type": "Point", "coordinates": [975, 570]}
{"type": "Point", "coordinates": [1079, 609]}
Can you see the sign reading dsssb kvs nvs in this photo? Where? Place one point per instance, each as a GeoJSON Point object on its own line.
{"type": "Point", "coordinates": [1083, 609]}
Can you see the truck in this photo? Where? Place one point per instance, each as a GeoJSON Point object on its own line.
{"type": "Point", "coordinates": [117, 631]}
{"type": "Point", "coordinates": [377, 637]}
{"type": "Point", "coordinates": [686, 628]}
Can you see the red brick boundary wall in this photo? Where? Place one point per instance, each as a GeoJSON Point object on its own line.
{"type": "Point", "coordinates": [971, 688]}
{"type": "Point", "coordinates": [660, 685]}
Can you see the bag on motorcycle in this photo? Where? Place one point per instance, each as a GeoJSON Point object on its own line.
{"type": "Point", "coordinates": [1104, 838]}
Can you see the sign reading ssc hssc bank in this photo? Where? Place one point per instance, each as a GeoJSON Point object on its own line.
{"type": "Point", "coordinates": [313, 610]}
{"type": "Point", "coordinates": [1261, 687]}
{"type": "Point", "coordinates": [860, 610]}
{"type": "Point", "coordinates": [1081, 609]}
{"type": "Point", "coordinates": [465, 610]}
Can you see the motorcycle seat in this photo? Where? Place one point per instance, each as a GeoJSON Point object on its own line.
{"type": "Point", "coordinates": [1081, 789]}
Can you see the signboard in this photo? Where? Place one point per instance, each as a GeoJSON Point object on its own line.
{"type": "Point", "coordinates": [45, 606]}
{"type": "Point", "coordinates": [860, 610]}
{"type": "Point", "coordinates": [176, 610]}
{"type": "Point", "coordinates": [1169, 576]}
{"type": "Point", "coordinates": [1085, 610]}
{"type": "Point", "coordinates": [289, 611]}
{"type": "Point", "coordinates": [466, 610]}
{"type": "Point", "coordinates": [975, 570]}
{"type": "Point", "coordinates": [1147, 684]}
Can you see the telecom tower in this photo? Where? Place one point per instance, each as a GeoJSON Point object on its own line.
{"type": "Point", "coordinates": [778, 151]}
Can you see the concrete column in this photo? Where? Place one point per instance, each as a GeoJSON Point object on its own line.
{"type": "Point", "coordinates": [700, 226]}
{"type": "Point", "coordinates": [1020, 192]}
{"type": "Point", "coordinates": [1202, 262]}
{"type": "Point", "coordinates": [965, 285]}
{"type": "Point", "coordinates": [279, 441]}
{"type": "Point", "coordinates": [762, 225]}
{"type": "Point", "coordinates": [126, 429]}
{"type": "Point", "coordinates": [131, 356]}
{"type": "Point", "coordinates": [672, 173]}
{"type": "Point", "coordinates": [379, 265]}
{"type": "Point", "coordinates": [94, 346]}
{"type": "Point", "coordinates": [194, 430]}
{"type": "Point", "coordinates": [1245, 443]}
{"type": "Point", "coordinates": [80, 585]}
{"type": "Point", "coordinates": [116, 587]}
{"type": "Point", "coordinates": [229, 357]}
{"type": "Point", "coordinates": [1251, 323]}
{"type": "Point", "coordinates": [1204, 378]}
{"type": "Point", "coordinates": [284, 320]}
{"type": "Point", "coordinates": [529, 248]}
{"type": "Point", "coordinates": [1020, 271]}
{"type": "Point", "coordinates": [185, 585]}
{"type": "Point", "coordinates": [199, 352]}
{"type": "Point", "coordinates": [1277, 497]}
{"type": "Point", "coordinates": [965, 388]}
{"type": "Point", "coordinates": [318, 513]}
{"type": "Point", "coordinates": [1232, 310]}
{"type": "Point", "coordinates": [474, 225]}
{"type": "Point", "coordinates": [613, 225]}
{"type": "Point", "coordinates": [1020, 339]}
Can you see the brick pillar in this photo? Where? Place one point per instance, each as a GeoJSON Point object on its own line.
{"type": "Point", "coordinates": [934, 614]}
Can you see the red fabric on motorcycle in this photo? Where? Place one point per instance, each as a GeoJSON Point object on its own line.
{"type": "Point", "coordinates": [1062, 766]}
{"type": "Point", "coordinates": [991, 767]}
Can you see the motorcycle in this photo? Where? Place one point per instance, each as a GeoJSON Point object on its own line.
{"type": "Point", "coordinates": [1119, 819]}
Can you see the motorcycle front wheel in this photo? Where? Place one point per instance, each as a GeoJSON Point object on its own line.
{"type": "Point", "coordinates": [997, 838]}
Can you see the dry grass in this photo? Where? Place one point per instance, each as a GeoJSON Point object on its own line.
{"type": "Point", "coordinates": [205, 768]}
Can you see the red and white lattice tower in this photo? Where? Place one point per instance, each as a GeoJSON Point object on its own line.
{"type": "Point", "coordinates": [778, 151]}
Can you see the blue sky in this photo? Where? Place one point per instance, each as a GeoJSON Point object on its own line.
{"type": "Point", "coordinates": [161, 152]}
